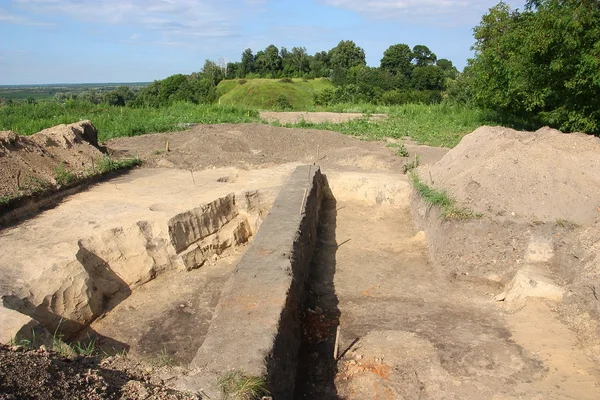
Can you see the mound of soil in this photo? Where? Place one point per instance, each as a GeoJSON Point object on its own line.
{"type": "Point", "coordinates": [30, 164]}
{"type": "Point", "coordinates": [249, 146]}
{"type": "Point", "coordinates": [40, 374]}
{"type": "Point", "coordinates": [543, 176]}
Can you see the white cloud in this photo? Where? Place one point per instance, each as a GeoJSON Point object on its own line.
{"type": "Point", "coordinates": [438, 12]}
{"type": "Point", "coordinates": [175, 20]}
{"type": "Point", "coordinates": [9, 18]}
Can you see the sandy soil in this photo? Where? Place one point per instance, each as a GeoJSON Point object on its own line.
{"type": "Point", "coordinates": [314, 117]}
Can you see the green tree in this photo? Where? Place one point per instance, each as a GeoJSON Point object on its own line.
{"type": "Point", "coordinates": [397, 59]}
{"type": "Point", "coordinates": [423, 56]}
{"type": "Point", "coordinates": [449, 69]}
{"type": "Point", "coordinates": [120, 96]}
{"type": "Point", "coordinates": [347, 55]}
{"type": "Point", "coordinates": [542, 64]}
{"type": "Point", "coordinates": [268, 62]}
{"type": "Point", "coordinates": [428, 77]}
{"type": "Point", "coordinates": [247, 64]}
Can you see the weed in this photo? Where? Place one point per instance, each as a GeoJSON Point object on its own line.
{"type": "Point", "coordinates": [286, 80]}
{"type": "Point", "coordinates": [5, 200]}
{"type": "Point", "coordinates": [86, 349]}
{"type": "Point", "coordinates": [164, 359]}
{"type": "Point", "coordinates": [34, 183]}
{"type": "Point", "coordinates": [448, 207]}
{"type": "Point", "coordinates": [106, 164]}
{"type": "Point", "coordinates": [564, 223]}
{"type": "Point", "coordinates": [242, 81]}
{"type": "Point", "coordinates": [62, 176]}
{"type": "Point", "coordinates": [406, 168]}
{"type": "Point", "coordinates": [236, 385]}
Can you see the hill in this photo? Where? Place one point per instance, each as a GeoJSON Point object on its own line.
{"type": "Point", "coordinates": [291, 94]}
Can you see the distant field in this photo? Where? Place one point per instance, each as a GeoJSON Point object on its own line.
{"type": "Point", "coordinates": [113, 121]}
{"type": "Point", "coordinates": [48, 92]}
{"type": "Point", "coordinates": [264, 94]}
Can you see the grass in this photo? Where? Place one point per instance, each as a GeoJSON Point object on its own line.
{"type": "Point", "coordinates": [434, 125]}
{"type": "Point", "coordinates": [236, 385]}
{"type": "Point", "coordinates": [62, 176]}
{"type": "Point", "coordinates": [112, 121]}
{"type": "Point", "coordinates": [401, 150]}
{"type": "Point", "coordinates": [448, 207]}
{"type": "Point", "coordinates": [267, 94]}
{"type": "Point", "coordinates": [564, 223]}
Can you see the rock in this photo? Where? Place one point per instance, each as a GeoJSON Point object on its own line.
{"type": "Point", "coordinates": [528, 282]}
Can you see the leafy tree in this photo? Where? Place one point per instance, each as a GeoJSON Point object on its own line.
{"type": "Point", "coordinates": [347, 55]}
{"type": "Point", "coordinates": [428, 77]}
{"type": "Point", "coordinates": [397, 59]}
{"type": "Point", "coordinates": [247, 64]}
{"type": "Point", "coordinates": [423, 56]}
{"type": "Point", "coordinates": [449, 69]}
{"type": "Point", "coordinates": [233, 70]}
{"type": "Point", "coordinates": [268, 62]}
{"type": "Point", "coordinates": [120, 96]}
{"type": "Point", "coordinates": [542, 64]}
{"type": "Point", "coordinates": [319, 65]}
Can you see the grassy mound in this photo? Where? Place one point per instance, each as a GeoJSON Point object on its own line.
{"type": "Point", "coordinates": [271, 94]}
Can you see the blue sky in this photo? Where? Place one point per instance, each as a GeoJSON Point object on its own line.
{"type": "Point", "coordinates": [76, 41]}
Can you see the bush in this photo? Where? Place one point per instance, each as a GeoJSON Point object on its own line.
{"type": "Point", "coordinates": [283, 103]}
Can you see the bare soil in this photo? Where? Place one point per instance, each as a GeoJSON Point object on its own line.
{"type": "Point", "coordinates": [248, 146]}
{"type": "Point", "coordinates": [315, 117]}
{"type": "Point", "coordinates": [427, 308]}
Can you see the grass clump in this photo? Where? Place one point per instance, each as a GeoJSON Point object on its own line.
{"type": "Point", "coordinates": [448, 207]}
{"type": "Point", "coordinates": [107, 164]}
{"type": "Point", "coordinates": [62, 176]}
{"type": "Point", "coordinates": [235, 385]}
{"type": "Point", "coordinates": [164, 359]}
{"type": "Point", "coordinates": [401, 150]}
{"type": "Point", "coordinates": [564, 223]}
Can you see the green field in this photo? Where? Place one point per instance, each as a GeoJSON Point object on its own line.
{"type": "Point", "coordinates": [48, 92]}
{"type": "Point", "coordinates": [113, 121]}
{"type": "Point", "coordinates": [263, 94]}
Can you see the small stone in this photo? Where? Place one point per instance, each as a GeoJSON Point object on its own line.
{"type": "Point", "coordinates": [318, 310]}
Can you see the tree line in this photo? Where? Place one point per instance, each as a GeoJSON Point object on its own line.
{"type": "Point", "coordinates": [540, 65]}
{"type": "Point", "coordinates": [404, 75]}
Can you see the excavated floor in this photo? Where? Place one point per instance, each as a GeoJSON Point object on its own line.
{"type": "Point", "coordinates": [136, 243]}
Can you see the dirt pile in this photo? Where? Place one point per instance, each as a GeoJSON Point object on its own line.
{"type": "Point", "coordinates": [250, 146]}
{"type": "Point", "coordinates": [30, 164]}
{"type": "Point", "coordinates": [544, 176]}
{"type": "Point", "coordinates": [40, 374]}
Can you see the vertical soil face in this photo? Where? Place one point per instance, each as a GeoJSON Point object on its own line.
{"type": "Point", "coordinates": [320, 315]}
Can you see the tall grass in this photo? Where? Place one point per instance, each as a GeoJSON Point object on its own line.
{"type": "Point", "coordinates": [435, 125]}
{"type": "Point", "coordinates": [112, 121]}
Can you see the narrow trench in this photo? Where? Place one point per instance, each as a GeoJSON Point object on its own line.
{"type": "Point", "coordinates": [320, 315]}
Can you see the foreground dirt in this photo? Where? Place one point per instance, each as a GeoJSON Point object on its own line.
{"type": "Point", "coordinates": [41, 374]}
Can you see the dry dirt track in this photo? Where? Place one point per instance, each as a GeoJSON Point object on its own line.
{"type": "Point", "coordinates": [412, 326]}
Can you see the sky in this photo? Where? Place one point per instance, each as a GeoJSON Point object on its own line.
{"type": "Point", "coordinates": [96, 41]}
